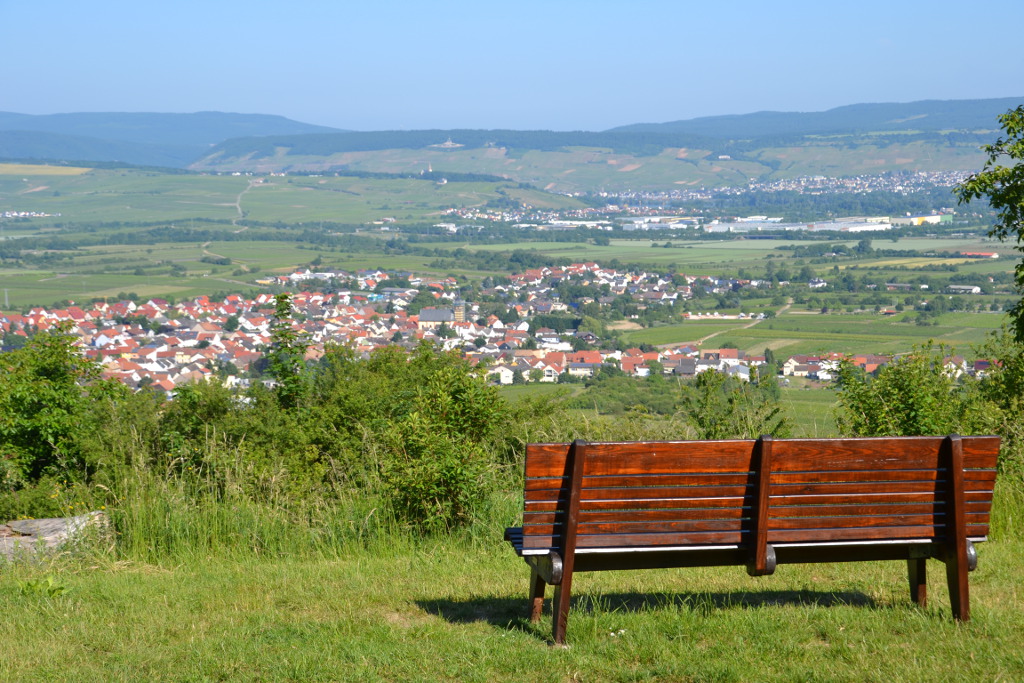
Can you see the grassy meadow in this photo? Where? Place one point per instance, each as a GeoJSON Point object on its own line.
{"type": "Point", "coordinates": [454, 609]}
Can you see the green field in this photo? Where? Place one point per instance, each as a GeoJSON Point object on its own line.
{"type": "Point", "coordinates": [588, 168]}
{"type": "Point", "coordinates": [689, 331]}
{"type": "Point", "coordinates": [129, 196]}
{"type": "Point", "coordinates": [858, 333]}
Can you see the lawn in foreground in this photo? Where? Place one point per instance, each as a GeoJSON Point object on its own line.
{"type": "Point", "coordinates": [454, 610]}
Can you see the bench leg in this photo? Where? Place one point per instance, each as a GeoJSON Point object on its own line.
{"type": "Point", "coordinates": [918, 580]}
{"type": "Point", "coordinates": [537, 586]}
{"type": "Point", "coordinates": [560, 610]}
{"type": "Point", "coordinates": [956, 579]}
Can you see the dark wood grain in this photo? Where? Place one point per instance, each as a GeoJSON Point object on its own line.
{"type": "Point", "coordinates": [711, 503]}
{"type": "Point", "coordinates": [568, 541]}
{"type": "Point", "coordinates": [917, 577]}
{"type": "Point", "coordinates": [956, 536]}
{"type": "Point", "coordinates": [758, 564]}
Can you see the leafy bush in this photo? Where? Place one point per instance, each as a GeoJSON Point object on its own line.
{"type": "Point", "coordinates": [915, 395]}
{"type": "Point", "coordinates": [1003, 386]}
{"type": "Point", "coordinates": [47, 394]}
{"type": "Point", "coordinates": [717, 406]}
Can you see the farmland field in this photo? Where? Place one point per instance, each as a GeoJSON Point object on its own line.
{"type": "Point", "coordinates": [689, 331]}
{"type": "Point", "coordinates": [142, 196]}
{"type": "Point", "coordinates": [859, 333]}
{"type": "Point", "coordinates": [40, 170]}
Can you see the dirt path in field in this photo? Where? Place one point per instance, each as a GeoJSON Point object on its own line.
{"type": "Point", "coordinates": [207, 252]}
{"type": "Point", "coordinates": [786, 307]}
{"type": "Point", "coordinates": [239, 282]}
{"type": "Point", "coordinates": [238, 205]}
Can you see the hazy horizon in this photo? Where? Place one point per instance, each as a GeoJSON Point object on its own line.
{"type": "Point", "coordinates": [535, 66]}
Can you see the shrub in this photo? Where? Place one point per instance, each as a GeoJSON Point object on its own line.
{"type": "Point", "coordinates": [915, 395]}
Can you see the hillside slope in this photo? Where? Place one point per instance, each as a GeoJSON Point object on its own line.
{"type": "Point", "coordinates": [924, 115]}
{"type": "Point", "coordinates": [139, 138]}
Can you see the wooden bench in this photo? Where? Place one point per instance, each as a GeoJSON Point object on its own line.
{"type": "Point", "coordinates": [759, 503]}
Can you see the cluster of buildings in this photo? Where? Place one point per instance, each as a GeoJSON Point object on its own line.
{"type": "Point", "coordinates": [904, 183]}
{"type": "Point", "coordinates": [27, 214]}
{"type": "Point", "coordinates": [163, 345]}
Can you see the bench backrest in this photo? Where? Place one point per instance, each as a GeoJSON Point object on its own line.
{"type": "Point", "coordinates": [736, 492]}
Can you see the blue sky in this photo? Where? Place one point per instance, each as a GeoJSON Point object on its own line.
{"type": "Point", "coordinates": [566, 65]}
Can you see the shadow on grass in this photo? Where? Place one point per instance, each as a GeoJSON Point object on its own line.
{"type": "Point", "coordinates": [511, 613]}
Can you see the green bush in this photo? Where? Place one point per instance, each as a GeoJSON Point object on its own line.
{"type": "Point", "coordinates": [913, 396]}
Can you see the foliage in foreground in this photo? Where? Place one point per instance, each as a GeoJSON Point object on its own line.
{"type": "Point", "coordinates": [399, 442]}
{"type": "Point", "coordinates": [925, 392]}
{"type": "Point", "coordinates": [1003, 187]}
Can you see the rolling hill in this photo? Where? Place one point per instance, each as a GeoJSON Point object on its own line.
{"type": "Point", "coordinates": [857, 139]}
{"type": "Point", "coordinates": [138, 138]}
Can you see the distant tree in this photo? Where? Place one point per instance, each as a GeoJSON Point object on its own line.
{"type": "Point", "coordinates": [721, 407]}
{"type": "Point", "coordinates": [286, 355]}
{"type": "Point", "coordinates": [422, 299]}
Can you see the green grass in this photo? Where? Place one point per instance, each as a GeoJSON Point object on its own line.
{"type": "Point", "coordinates": [519, 392]}
{"type": "Point", "coordinates": [689, 331]}
{"type": "Point", "coordinates": [858, 333]}
{"type": "Point", "coordinates": [455, 610]}
{"type": "Point", "coordinates": [810, 410]}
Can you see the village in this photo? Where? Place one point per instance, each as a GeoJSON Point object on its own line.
{"type": "Point", "coordinates": [161, 345]}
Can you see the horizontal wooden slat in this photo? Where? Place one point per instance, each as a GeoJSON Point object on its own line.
{"type": "Point", "coordinates": [672, 539]}
{"type": "Point", "coordinates": [645, 527]}
{"type": "Point", "coordinates": [866, 521]}
{"type": "Point", "coordinates": [643, 481]}
{"type": "Point", "coordinates": [851, 488]}
{"type": "Point", "coordinates": [865, 534]}
{"type": "Point", "coordinates": [783, 511]}
{"type": "Point", "coordinates": [626, 516]}
{"type": "Point", "coordinates": [650, 493]}
{"type": "Point", "coordinates": [857, 488]}
{"type": "Point", "coordinates": [655, 457]}
{"type": "Point", "coordinates": [642, 540]}
{"type": "Point", "coordinates": [924, 452]}
{"type": "Point", "coordinates": [674, 457]}
{"type": "Point", "coordinates": [679, 503]}
{"type": "Point", "coordinates": [922, 497]}
{"type": "Point", "coordinates": [980, 452]}
{"type": "Point", "coordinates": [938, 476]}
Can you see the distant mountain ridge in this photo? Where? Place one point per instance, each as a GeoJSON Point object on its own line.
{"type": "Point", "coordinates": [929, 135]}
{"type": "Point", "coordinates": [924, 115]}
{"type": "Point", "coordinates": [139, 138]}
